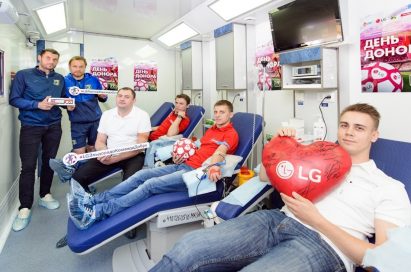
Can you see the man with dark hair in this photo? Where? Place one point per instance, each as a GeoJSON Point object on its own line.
{"type": "Point", "coordinates": [40, 125]}
{"type": "Point", "coordinates": [328, 235]}
{"type": "Point", "coordinates": [175, 123]}
{"type": "Point", "coordinates": [121, 126]}
{"type": "Point", "coordinates": [219, 140]}
{"type": "Point", "coordinates": [84, 119]}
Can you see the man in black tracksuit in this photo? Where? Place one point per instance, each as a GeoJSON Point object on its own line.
{"type": "Point", "coordinates": [40, 124]}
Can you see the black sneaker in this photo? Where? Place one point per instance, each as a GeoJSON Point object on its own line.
{"type": "Point", "coordinates": [62, 242]}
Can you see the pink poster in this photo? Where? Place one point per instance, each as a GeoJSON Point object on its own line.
{"type": "Point", "coordinates": [386, 51]}
{"type": "Point", "coordinates": [145, 77]}
{"type": "Point", "coordinates": [272, 79]}
{"type": "Point", "coordinates": [106, 70]}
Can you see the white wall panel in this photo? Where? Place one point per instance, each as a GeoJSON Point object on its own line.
{"type": "Point", "coordinates": [17, 57]}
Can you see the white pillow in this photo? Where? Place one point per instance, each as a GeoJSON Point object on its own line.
{"type": "Point", "coordinates": [197, 187]}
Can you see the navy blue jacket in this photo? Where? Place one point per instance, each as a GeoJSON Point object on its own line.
{"type": "Point", "coordinates": [87, 108]}
{"type": "Point", "coordinates": [31, 86]}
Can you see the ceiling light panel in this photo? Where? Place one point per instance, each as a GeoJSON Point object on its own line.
{"type": "Point", "coordinates": [177, 34]}
{"type": "Point", "coordinates": [53, 18]}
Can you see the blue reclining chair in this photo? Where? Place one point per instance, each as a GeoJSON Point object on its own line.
{"type": "Point", "coordinates": [169, 214]}
{"type": "Point", "coordinates": [161, 113]}
{"type": "Point", "coordinates": [392, 157]}
{"type": "Point", "coordinates": [195, 113]}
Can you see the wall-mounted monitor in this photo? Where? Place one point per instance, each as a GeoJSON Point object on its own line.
{"type": "Point", "coordinates": [306, 23]}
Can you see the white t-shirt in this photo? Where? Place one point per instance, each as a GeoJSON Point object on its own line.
{"type": "Point", "coordinates": [122, 131]}
{"type": "Point", "coordinates": [366, 194]}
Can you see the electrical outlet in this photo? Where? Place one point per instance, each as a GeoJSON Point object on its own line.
{"type": "Point", "coordinates": [241, 97]}
{"type": "Point", "coordinates": [333, 97]}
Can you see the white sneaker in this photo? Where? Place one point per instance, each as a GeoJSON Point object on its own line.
{"type": "Point", "coordinates": [49, 202]}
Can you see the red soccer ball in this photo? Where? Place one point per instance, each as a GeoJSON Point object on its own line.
{"type": "Point", "coordinates": [381, 77]}
{"type": "Point", "coordinates": [184, 148]}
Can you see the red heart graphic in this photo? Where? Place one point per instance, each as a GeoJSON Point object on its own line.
{"type": "Point", "coordinates": [310, 170]}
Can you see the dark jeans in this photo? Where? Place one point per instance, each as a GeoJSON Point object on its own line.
{"type": "Point", "coordinates": [30, 139]}
{"type": "Point", "coordinates": [93, 170]}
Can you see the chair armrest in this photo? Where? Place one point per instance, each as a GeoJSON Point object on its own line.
{"type": "Point", "coordinates": [244, 198]}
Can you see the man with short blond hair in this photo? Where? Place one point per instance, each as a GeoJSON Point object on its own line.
{"type": "Point", "coordinates": [85, 118]}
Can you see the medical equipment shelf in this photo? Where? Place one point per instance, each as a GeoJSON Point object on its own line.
{"type": "Point", "coordinates": [322, 57]}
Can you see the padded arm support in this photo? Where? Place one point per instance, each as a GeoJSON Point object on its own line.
{"type": "Point", "coordinates": [243, 198]}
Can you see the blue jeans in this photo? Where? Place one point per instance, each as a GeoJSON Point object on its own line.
{"type": "Point", "coordinates": [140, 186]}
{"type": "Point", "coordinates": [151, 151]}
{"type": "Point", "coordinates": [265, 240]}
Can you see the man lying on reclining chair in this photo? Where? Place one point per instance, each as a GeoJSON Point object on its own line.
{"type": "Point", "coordinates": [219, 140]}
{"type": "Point", "coordinates": [175, 123]}
{"type": "Point", "coordinates": [327, 235]}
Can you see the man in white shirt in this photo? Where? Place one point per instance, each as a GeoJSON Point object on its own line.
{"type": "Point", "coordinates": [328, 235]}
{"type": "Point", "coordinates": [123, 125]}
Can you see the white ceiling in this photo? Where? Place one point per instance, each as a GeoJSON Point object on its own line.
{"type": "Point", "coordinates": [134, 18]}
{"type": "Point", "coordinates": [131, 18]}
{"type": "Point", "coordinates": [144, 19]}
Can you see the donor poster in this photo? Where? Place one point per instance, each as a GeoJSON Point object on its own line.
{"type": "Point", "coordinates": [386, 52]}
{"type": "Point", "coordinates": [106, 70]}
{"type": "Point", "coordinates": [272, 79]}
{"type": "Point", "coordinates": [145, 77]}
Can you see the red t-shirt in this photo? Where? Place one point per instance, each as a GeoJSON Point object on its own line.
{"type": "Point", "coordinates": [165, 125]}
{"type": "Point", "coordinates": [211, 140]}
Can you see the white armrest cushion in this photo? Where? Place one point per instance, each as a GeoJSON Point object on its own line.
{"type": "Point", "coordinates": [197, 187]}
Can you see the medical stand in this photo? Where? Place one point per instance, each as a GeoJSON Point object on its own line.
{"type": "Point", "coordinates": [264, 64]}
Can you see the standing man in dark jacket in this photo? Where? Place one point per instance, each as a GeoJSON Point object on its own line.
{"type": "Point", "coordinates": [86, 116]}
{"type": "Point", "coordinates": [40, 125]}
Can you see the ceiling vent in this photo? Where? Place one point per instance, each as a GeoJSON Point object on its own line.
{"type": "Point", "coordinates": [32, 38]}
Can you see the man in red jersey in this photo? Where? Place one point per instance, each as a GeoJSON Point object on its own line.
{"type": "Point", "coordinates": [219, 140]}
